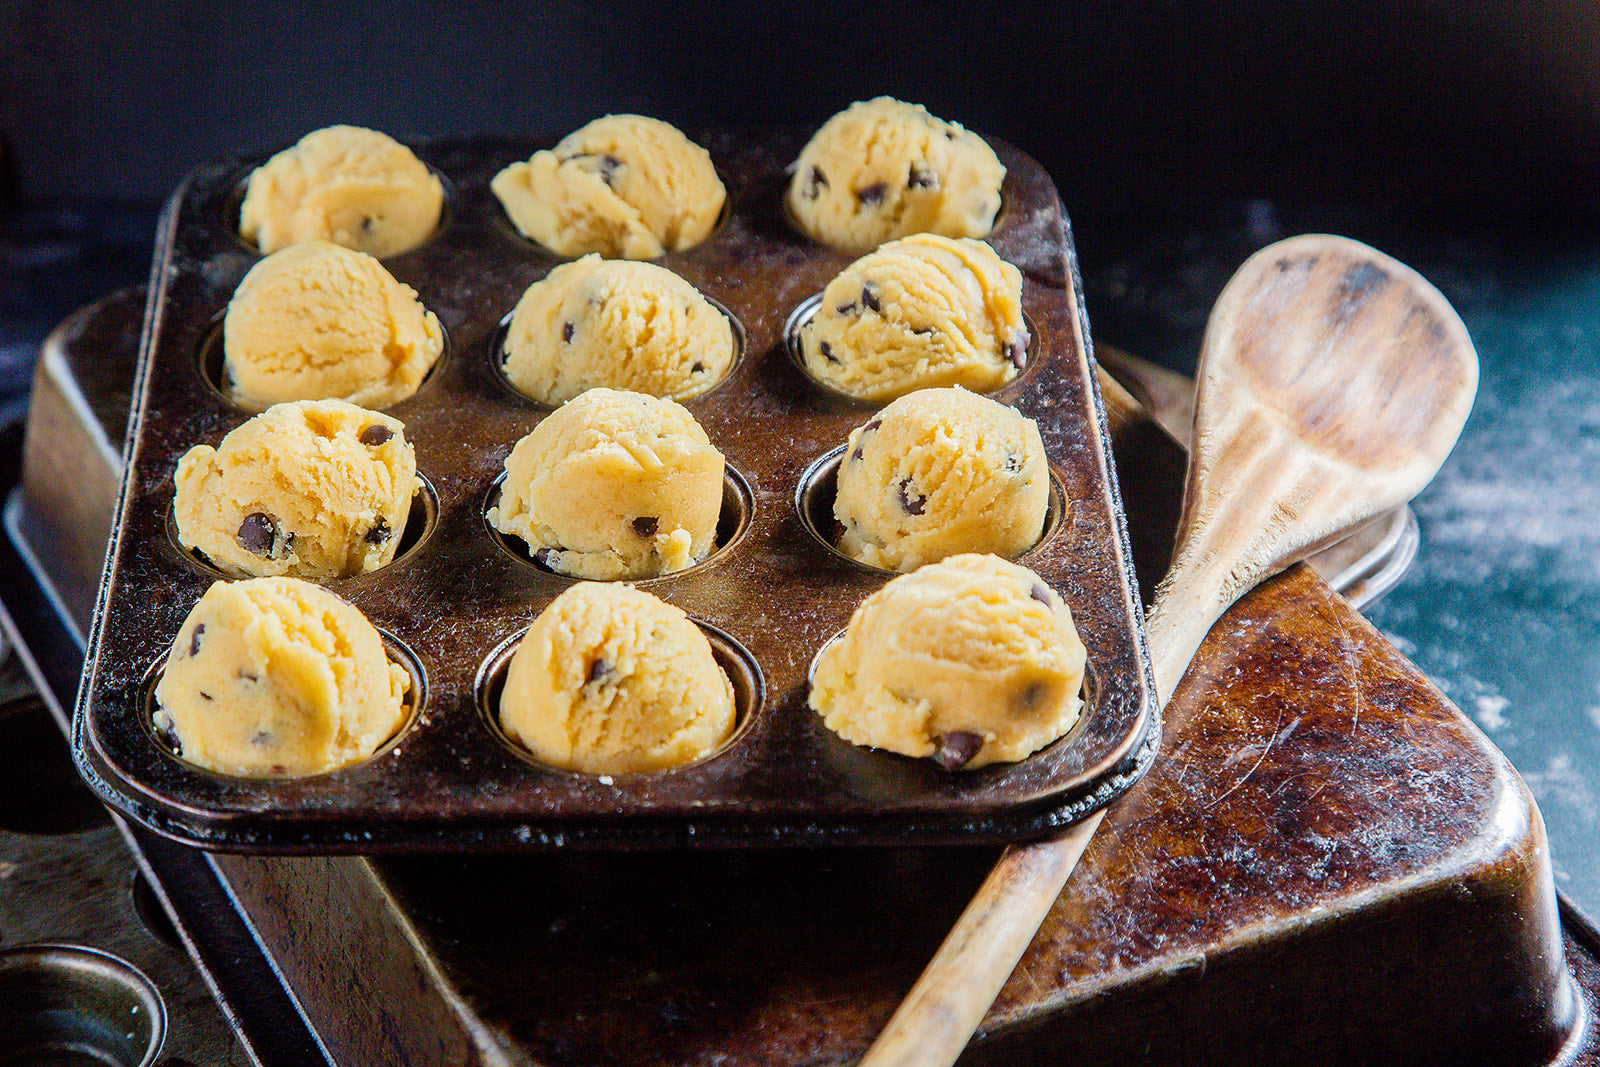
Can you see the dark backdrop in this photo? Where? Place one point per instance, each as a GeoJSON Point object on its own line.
{"type": "Point", "coordinates": [1457, 106]}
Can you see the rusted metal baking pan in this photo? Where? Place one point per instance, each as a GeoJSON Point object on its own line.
{"type": "Point", "coordinates": [457, 596]}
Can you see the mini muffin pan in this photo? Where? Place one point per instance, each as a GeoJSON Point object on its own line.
{"type": "Point", "coordinates": [454, 602]}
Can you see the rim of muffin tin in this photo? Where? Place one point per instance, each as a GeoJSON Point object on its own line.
{"type": "Point", "coordinates": [735, 661]}
{"type": "Point", "coordinates": [495, 354]}
{"type": "Point", "coordinates": [733, 522]}
{"type": "Point", "coordinates": [817, 487]}
{"type": "Point", "coordinates": [212, 366]}
{"type": "Point", "coordinates": [806, 310]}
{"type": "Point", "coordinates": [512, 233]}
{"type": "Point", "coordinates": [1039, 814]}
{"type": "Point", "coordinates": [239, 183]}
{"type": "Point", "coordinates": [1002, 214]}
{"type": "Point", "coordinates": [422, 519]}
{"type": "Point", "coordinates": [396, 651]}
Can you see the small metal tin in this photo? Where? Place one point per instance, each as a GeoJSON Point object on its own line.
{"type": "Point", "coordinates": [67, 1004]}
{"type": "Point", "coordinates": [772, 590]}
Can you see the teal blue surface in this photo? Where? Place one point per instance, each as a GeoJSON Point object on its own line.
{"type": "Point", "coordinates": [1502, 608]}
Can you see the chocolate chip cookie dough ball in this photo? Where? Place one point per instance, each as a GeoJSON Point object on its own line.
{"type": "Point", "coordinates": [970, 661]}
{"type": "Point", "coordinates": [882, 169]}
{"type": "Point", "coordinates": [316, 489]}
{"type": "Point", "coordinates": [612, 680]}
{"type": "Point", "coordinates": [318, 321]}
{"type": "Point", "coordinates": [941, 472]}
{"type": "Point", "coordinates": [276, 676]}
{"type": "Point", "coordinates": [611, 323]}
{"type": "Point", "coordinates": [921, 312]}
{"type": "Point", "coordinates": [623, 186]}
{"type": "Point", "coordinates": [356, 187]}
{"type": "Point", "coordinates": [613, 485]}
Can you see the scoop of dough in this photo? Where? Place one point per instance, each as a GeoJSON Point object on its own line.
{"type": "Point", "coordinates": [623, 186]}
{"type": "Point", "coordinates": [613, 485]}
{"type": "Point", "coordinates": [920, 312]}
{"type": "Point", "coordinates": [276, 676]}
{"type": "Point", "coordinates": [353, 186]}
{"type": "Point", "coordinates": [607, 322]}
{"type": "Point", "coordinates": [882, 169]}
{"type": "Point", "coordinates": [316, 321]}
{"type": "Point", "coordinates": [971, 661]}
{"type": "Point", "coordinates": [612, 680]}
{"type": "Point", "coordinates": [941, 472]}
{"type": "Point", "coordinates": [317, 489]}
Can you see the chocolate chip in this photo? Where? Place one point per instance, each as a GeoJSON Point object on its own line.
{"type": "Point", "coordinates": [645, 525]}
{"type": "Point", "coordinates": [698, 368]}
{"type": "Point", "coordinates": [194, 639]}
{"type": "Point", "coordinates": [873, 193]}
{"type": "Point", "coordinates": [542, 557]}
{"type": "Point", "coordinates": [375, 435]}
{"type": "Point", "coordinates": [1017, 349]}
{"type": "Point", "coordinates": [869, 297]}
{"type": "Point", "coordinates": [855, 453]}
{"type": "Point", "coordinates": [1032, 695]}
{"type": "Point", "coordinates": [955, 749]}
{"type": "Point", "coordinates": [922, 178]}
{"type": "Point", "coordinates": [256, 533]}
{"type": "Point", "coordinates": [605, 164]}
{"type": "Point", "coordinates": [205, 695]}
{"type": "Point", "coordinates": [367, 223]}
{"type": "Point", "coordinates": [261, 739]}
{"type": "Point", "coordinates": [1013, 463]}
{"type": "Point", "coordinates": [909, 505]}
{"type": "Point", "coordinates": [598, 670]}
{"type": "Point", "coordinates": [567, 330]}
{"type": "Point", "coordinates": [379, 533]}
{"type": "Point", "coordinates": [827, 352]}
{"type": "Point", "coordinates": [815, 180]}
{"type": "Point", "coordinates": [1041, 594]}
{"type": "Point", "coordinates": [847, 309]}
{"type": "Point", "coordinates": [249, 676]}
{"type": "Point", "coordinates": [871, 425]}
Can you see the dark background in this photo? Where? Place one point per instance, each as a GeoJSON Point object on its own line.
{"type": "Point", "coordinates": [1445, 105]}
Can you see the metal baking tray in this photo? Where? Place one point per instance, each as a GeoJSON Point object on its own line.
{"type": "Point", "coordinates": [457, 597]}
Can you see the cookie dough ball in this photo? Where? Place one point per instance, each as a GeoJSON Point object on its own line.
{"type": "Point", "coordinates": [276, 676]}
{"type": "Point", "coordinates": [623, 186]}
{"type": "Point", "coordinates": [921, 312]}
{"type": "Point", "coordinates": [612, 680]}
{"type": "Point", "coordinates": [971, 661]}
{"type": "Point", "coordinates": [941, 472]}
{"type": "Point", "coordinates": [356, 187]}
{"type": "Point", "coordinates": [882, 169]}
{"type": "Point", "coordinates": [317, 321]}
{"type": "Point", "coordinates": [607, 322]}
{"type": "Point", "coordinates": [613, 485]}
{"type": "Point", "coordinates": [316, 489]}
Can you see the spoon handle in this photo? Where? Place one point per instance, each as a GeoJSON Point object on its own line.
{"type": "Point", "coordinates": [933, 1023]}
{"type": "Point", "coordinates": [935, 1020]}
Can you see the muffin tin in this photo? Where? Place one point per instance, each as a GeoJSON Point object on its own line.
{"type": "Point", "coordinates": [456, 598]}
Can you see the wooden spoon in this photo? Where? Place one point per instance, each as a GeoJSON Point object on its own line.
{"type": "Point", "coordinates": [1333, 382]}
